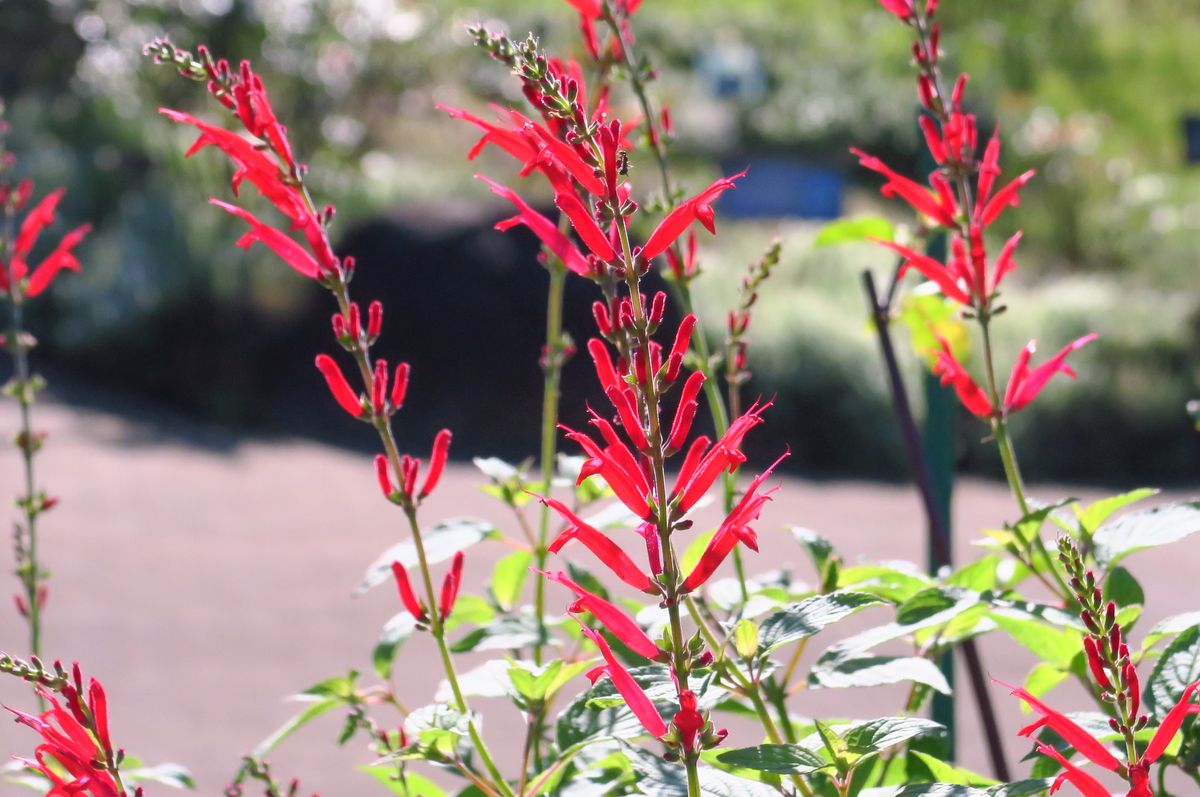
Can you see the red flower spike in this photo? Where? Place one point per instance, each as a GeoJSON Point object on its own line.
{"type": "Point", "coordinates": [1171, 724]}
{"type": "Point", "coordinates": [437, 461]}
{"type": "Point", "coordinates": [933, 138]}
{"type": "Point", "coordinates": [635, 697]}
{"type": "Point", "coordinates": [1024, 384]}
{"type": "Point", "coordinates": [1087, 785]}
{"type": "Point", "coordinates": [282, 245]}
{"type": "Point", "coordinates": [599, 544]}
{"type": "Point", "coordinates": [696, 208]}
{"type": "Point", "coordinates": [605, 370]}
{"type": "Point", "coordinates": [1092, 749]}
{"type": "Point", "coordinates": [1135, 689]}
{"type": "Point", "coordinates": [585, 224]}
{"type": "Point", "coordinates": [910, 191]}
{"type": "Point", "coordinates": [686, 412]}
{"type": "Point", "coordinates": [609, 615]}
{"type": "Point", "coordinates": [695, 477]}
{"type": "Point", "coordinates": [38, 219]}
{"type": "Point", "coordinates": [450, 585]}
{"type": "Point", "coordinates": [933, 270]}
{"type": "Point", "coordinates": [1094, 663]}
{"type": "Point", "coordinates": [564, 156]}
{"type": "Point", "coordinates": [658, 306]}
{"type": "Point", "coordinates": [952, 373]}
{"type": "Point", "coordinates": [683, 338]}
{"type": "Point", "coordinates": [384, 476]}
{"type": "Point", "coordinates": [735, 528]}
{"type": "Point", "coordinates": [688, 720]}
{"type": "Point", "coordinates": [407, 597]}
{"type": "Point", "coordinates": [61, 258]}
{"type": "Point", "coordinates": [338, 386]}
{"type": "Point", "coordinates": [399, 386]}
{"type": "Point", "coordinates": [542, 227]}
{"type": "Point", "coordinates": [1005, 197]}
{"type": "Point", "coordinates": [98, 704]}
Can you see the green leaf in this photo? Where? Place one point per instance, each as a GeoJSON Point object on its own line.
{"type": "Point", "coordinates": [1148, 529]}
{"type": "Point", "coordinates": [173, 775]}
{"type": "Point", "coordinates": [929, 315]}
{"type": "Point", "coordinates": [1100, 511]}
{"type": "Point", "coordinates": [413, 785]}
{"type": "Point", "coordinates": [314, 710]}
{"type": "Point", "coordinates": [1175, 624]}
{"type": "Point", "coordinates": [745, 638]}
{"type": "Point", "coordinates": [857, 229]}
{"type": "Point", "coordinates": [780, 759]}
{"type": "Point", "coordinates": [659, 778]}
{"type": "Point", "coordinates": [889, 583]}
{"type": "Point", "coordinates": [810, 616]}
{"type": "Point", "coordinates": [876, 735]}
{"type": "Point", "coordinates": [1043, 678]}
{"type": "Point", "coordinates": [508, 577]}
{"type": "Point", "coordinates": [1123, 589]}
{"type": "Point", "coordinates": [945, 773]}
{"type": "Point", "coordinates": [819, 548]}
{"type": "Point", "coordinates": [851, 671]}
{"type": "Point", "coordinates": [978, 576]}
{"type": "Point", "coordinates": [395, 631]}
{"type": "Point", "coordinates": [1055, 645]}
{"type": "Point", "coordinates": [1178, 666]}
{"type": "Point", "coordinates": [1022, 788]}
{"type": "Point", "coordinates": [695, 549]}
{"type": "Point", "coordinates": [441, 543]}
{"type": "Point", "coordinates": [506, 633]}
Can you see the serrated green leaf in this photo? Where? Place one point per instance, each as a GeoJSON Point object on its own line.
{"type": "Point", "coordinates": [857, 671]}
{"type": "Point", "coordinates": [1178, 666]}
{"type": "Point", "coordinates": [1097, 512]}
{"type": "Point", "coordinates": [780, 759]}
{"type": "Point", "coordinates": [1151, 528]}
{"type": "Point", "coordinates": [508, 578]}
{"type": "Point", "coordinates": [441, 543]}
{"type": "Point", "coordinates": [877, 735]}
{"type": "Point", "coordinates": [809, 617]}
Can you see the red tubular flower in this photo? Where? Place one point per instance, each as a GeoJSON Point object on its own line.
{"type": "Point", "coordinates": [969, 393]}
{"type": "Point", "coordinates": [384, 477]}
{"type": "Point", "coordinates": [1087, 785]}
{"type": "Point", "coordinates": [1171, 724]}
{"type": "Point", "coordinates": [437, 461]}
{"type": "Point", "coordinates": [407, 596]}
{"type": "Point", "coordinates": [901, 8]}
{"type": "Point", "coordinates": [39, 218]}
{"type": "Point", "coordinates": [683, 268]}
{"type": "Point", "coordinates": [937, 208]}
{"type": "Point", "coordinates": [1094, 663]}
{"type": "Point", "coordinates": [613, 464]}
{"type": "Point", "coordinates": [542, 227]}
{"type": "Point", "coordinates": [605, 370]}
{"type": "Point", "coordinates": [686, 411]}
{"type": "Point", "coordinates": [625, 403]}
{"type": "Point", "coordinates": [281, 244]}
{"type": "Point", "coordinates": [696, 208]}
{"type": "Point", "coordinates": [450, 585]}
{"type": "Point", "coordinates": [513, 142]}
{"type": "Point", "coordinates": [585, 224]}
{"type": "Point", "coordinates": [564, 156]}
{"type": "Point", "coordinates": [1024, 385]}
{"type": "Point", "coordinates": [635, 697]}
{"type": "Point", "coordinates": [610, 616]}
{"type": "Point", "coordinates": [61, 258]}
{"type": "Point", "coordinates": [98, 704]}
{"type": "Point", "coordinates": [254, 109]}
{"type": "Point", "coordinates": [1006, 196]}
{"type": "Point", "coordinates": [683, 338]}
{"type": "Point", "coordinates": [399, 386]}
{"type": "Point", "coordinates": [688, 720]}
{"type": "Point", "coordinates": [932, 268]}
{"type": "Point", "coordinates": [698, 472]}
{"type": "Point", "coordinates": [735, 528]}
{"type": "Point", "coordinates": [599, 544]}
{"type": "Point", "coordinates": [350, 401]}
{"type": "Point", "coordinates": [1088, 746]}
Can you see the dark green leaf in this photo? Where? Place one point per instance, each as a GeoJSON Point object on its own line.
{"type": "Point", "coordinates": [659, 778]}
{"type": "Point", "coordinates": [1123, 589]}
{"type": "Point", "coordinates": [1178, 666]}
{"type": "Point", "coordinates": [780, 759]}
{"type": "Point", "coordinates": [809, 616]}
{"type": "Point", "coordinates": [885, 732]}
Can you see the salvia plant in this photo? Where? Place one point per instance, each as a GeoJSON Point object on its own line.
{"type": "Point", "coordinates": [641, 652]}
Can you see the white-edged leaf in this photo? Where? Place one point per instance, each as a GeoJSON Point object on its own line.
{"type": "Point", "coordinates": [441, 543]}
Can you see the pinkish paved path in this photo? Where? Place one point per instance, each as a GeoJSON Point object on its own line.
{"type": "Point", "coordinates": [203, 578]}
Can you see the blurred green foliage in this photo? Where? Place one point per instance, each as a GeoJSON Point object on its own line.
{"type": "Point", "coordinates": [1090, 92]}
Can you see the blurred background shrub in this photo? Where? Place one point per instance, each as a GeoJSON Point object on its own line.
{"type": "Point", "coordinates": [1094, 94]}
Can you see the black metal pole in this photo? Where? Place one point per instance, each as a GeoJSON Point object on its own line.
{"type": "Point", "coordinates": [939, 539]}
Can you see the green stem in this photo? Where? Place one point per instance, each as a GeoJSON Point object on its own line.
{"type": "Point", "coordinates": [550, 390]}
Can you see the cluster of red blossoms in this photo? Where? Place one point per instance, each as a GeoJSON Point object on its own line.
{"type": "Point", "coordinates": [961, 197]}
{"type": "Point", "coordinates": [15, 274]}
{"type": "Point", "coordinates": [76, 754]}
{"type": "Point", "coordinates": [582, 153]}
